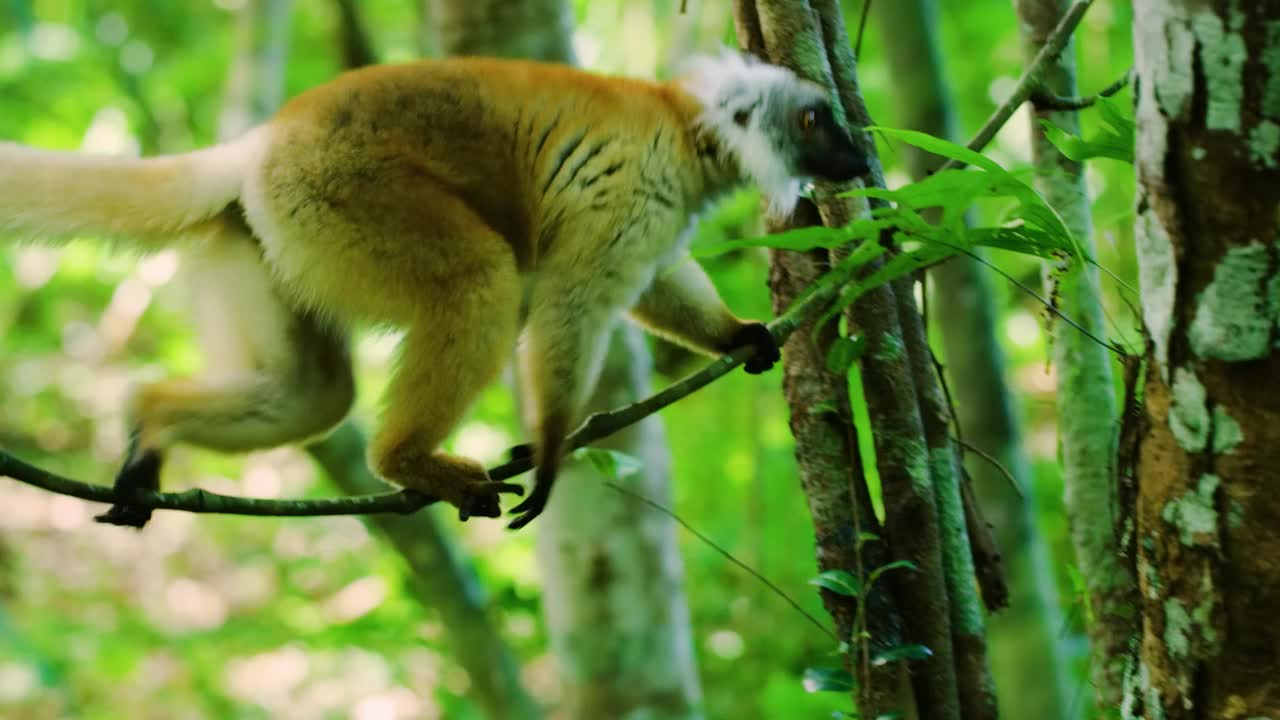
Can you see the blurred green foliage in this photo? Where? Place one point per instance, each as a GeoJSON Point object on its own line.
{"type": "Point", "coordinates": [241, 617]}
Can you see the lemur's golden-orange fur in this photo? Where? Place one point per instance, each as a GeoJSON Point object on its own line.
{"type": "Point", "coordinates": [461, 200]}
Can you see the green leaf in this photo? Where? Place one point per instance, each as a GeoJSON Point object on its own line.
{"type": "Point", "coordinates": [610, 463]}
{"type": "Point", "coordinates": [1020, 239]}
{"type": "Point", "coordinates": [938, 146]}
{"type": "Point", "coordinates": [1078, 585]}
{"type": "Point", "coordinates": [866, 537]}
{"type": "Point", "coordinates": [895, 565]}
{"type": "Point", "coordinates": [1113, 140]}
{"type": "Point", "coordinates": [840, 582]}
{"type": "Point", "coordinates": [828, 679]}
{"type": "Point", "coordinates": [952, 190]}
{"type": "Point", "coordinates": [901, 652]}
{"type": "Point", "coordinates": [845, 352]}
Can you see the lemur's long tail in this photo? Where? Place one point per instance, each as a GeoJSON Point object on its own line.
{"type": "Point", "coordinates": [51, 197]}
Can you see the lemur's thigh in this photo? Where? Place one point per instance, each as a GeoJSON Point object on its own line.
{"type": "Point", "coordinates": [273, 375]}
{"type": "Point", "coordinates": [371, 237]}
{"type": "Point", "coordinates": [461, 309]}
{"type": "Point", "coordinates": [444, 364]}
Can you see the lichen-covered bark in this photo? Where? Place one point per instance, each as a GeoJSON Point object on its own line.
{"type": "Point", "coordinates": [954, 683]}
{"type": "Point", "coordinates": [968, 627]}
{"type": "Point", "coordinates": [809, 38]}
{"type": "Point", "coordinates": [911, 512]}
{"type": "Point", "coordinates": [832, 480]}
{"type": "Point", "coordinates": [1086, 395]}
{"type": "Point", "coordinates": [1208, 505]}
{"type": "Point", "coordinates": [1023, 637]}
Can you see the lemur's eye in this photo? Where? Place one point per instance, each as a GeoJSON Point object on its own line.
{"type": "Point", "coordinates": [742, 117]}
{"type": "Point", "coordinates": [808, 119]}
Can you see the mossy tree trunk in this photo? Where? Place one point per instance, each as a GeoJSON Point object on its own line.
{"type": "Point", "coordinates": [1086, 394]}
{"type": "Point", "coordinates": [916, 461]}
{"type": "Point", "coordinates": [1023, 636]}
{"type": "Point", "coordinates": [1208, 495]}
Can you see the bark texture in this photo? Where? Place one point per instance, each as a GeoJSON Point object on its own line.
{"type": "Point", "coordinates": [832, 479]}
{"type": "Point", "coordinates": [1208, 505]}
{"type": "Point", "coordinates": [809, 37]}
{"type": "Point", "coordinates": [1086, 395]}
{"type": "Point", "coordinates": [1023, 636]}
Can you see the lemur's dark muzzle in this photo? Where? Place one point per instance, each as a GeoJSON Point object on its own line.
{"type": "Point", "coordinates": [842, 160]}
{"type": "Point", "coordinates": [848, 164]}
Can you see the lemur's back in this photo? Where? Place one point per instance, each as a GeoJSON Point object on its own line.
{"type": "Point", "coordinates": [501, 134]}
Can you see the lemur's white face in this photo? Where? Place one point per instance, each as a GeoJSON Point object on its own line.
{"type": "Point", "coordinates": [778, 126]}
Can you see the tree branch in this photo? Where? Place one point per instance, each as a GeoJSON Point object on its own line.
{"type": "Point", "coordinates": [1029, 83]}
{"type": "Point", "coordinates": [596, 427]}
{"type": "Point", "coordinates": [1045, 100]}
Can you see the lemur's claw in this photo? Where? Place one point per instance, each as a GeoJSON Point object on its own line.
{"type": "Point", "coordinates": [482, 499]}
{"type": "Point", "coordinates": [531, 508]}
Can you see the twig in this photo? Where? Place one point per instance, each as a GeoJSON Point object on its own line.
{"type": "Point", "coordinates": [862, 28]}
{"type": "Point", "coordinates": [1029, 82]}
{"type": "Point", "coordinates": [203, 501]}
{"type": "Point", "coordinates": [991, 459]}
{"type": "Point", "coordinates": [596, 427]}
{"type": "Point", "coordinates": [1045, 100]}
{"type": "Point", "coordinates": [727, 556]}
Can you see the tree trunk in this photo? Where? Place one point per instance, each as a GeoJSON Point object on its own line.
{"type": "Point", "coordinates": [255, 82]}
{"type": "Point", "coordinates": [941, 589]}
{"type": "Point", "coordinates": [1023, 636]}
{"type": "Point", "coordinates": [532, 29]}
{"type": "Point", "coordinates": [1087, 405]}
{"type": "Point", "coordinates": [1208, 504]}
{"type": "Point", "coordinates": [612, 574]}
{"type": "Point", "coordinates": [832, 480]}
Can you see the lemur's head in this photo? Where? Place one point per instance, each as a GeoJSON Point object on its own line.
{"type": "Point", "coordinates": [778, 126]}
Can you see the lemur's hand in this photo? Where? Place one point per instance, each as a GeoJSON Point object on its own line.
{"type": "Point", "coordinates": [757, 335]}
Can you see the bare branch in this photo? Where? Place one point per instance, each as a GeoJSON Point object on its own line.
{"type": "Point", "coordinates": [1030, 80]}
{"type": "Point", "coordinates": [1045, 100]}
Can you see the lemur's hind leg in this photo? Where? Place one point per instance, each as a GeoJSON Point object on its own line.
{"type": "Point", "coordinates": [274, 376]}
{"type": "Point", "coordinates": [448, 356]}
